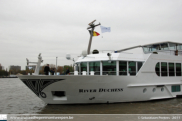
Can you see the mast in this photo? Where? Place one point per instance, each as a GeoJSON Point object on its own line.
{"type": "Point", "coordinates": [92, 27]}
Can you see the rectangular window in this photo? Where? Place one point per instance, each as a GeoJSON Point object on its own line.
{"type": "Point", "coordinates": [176, 88]}
{"type": "Point", "coordinates": [109, 68]}
{"type": "Point", "coordinates": [146, 49]}
{"type": "Point", "coordinates": [179, 47]}
{"type": "Point", "coordinates": [94, 66]}
{"type": "Point", "coordinates": [150, 48]}
{"type": "Point", "coordinates": [164, 69]}
{"type": "Point", "coordinates": [132, 68]}
{"type": "Point", "coordinates": [178, 69]}
{"type": "Point", "coordinates": [83, 66]}
{"type": "Point", "coordinates": [172, 46]}
{"type": "Point", "coordinates": [164, 46]}
{"type": "Point", "coordinates": [122, 67]}
{"type": "Point", "coordinates": [155, 47]}
{"type": "Point", "coordinates": [171, 69]}
{"type": "Point", "coordinates": [139, 64]}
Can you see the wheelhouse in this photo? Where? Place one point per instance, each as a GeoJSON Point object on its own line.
{"type": "Point", "coordinates": [165, 47]}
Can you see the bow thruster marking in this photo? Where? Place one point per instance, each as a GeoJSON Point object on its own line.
{"type": "Point", "coordinates": [37, 85]}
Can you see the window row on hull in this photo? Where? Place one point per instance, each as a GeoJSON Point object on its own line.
{"type": "Point", "coordinates": [168, 69]}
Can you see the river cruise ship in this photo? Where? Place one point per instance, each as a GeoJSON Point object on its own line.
{"type": "Point", "coordinates": [115, 76]}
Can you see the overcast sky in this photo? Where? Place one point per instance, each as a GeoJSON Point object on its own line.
{"type": "Point", "coordinates": [57, 27]}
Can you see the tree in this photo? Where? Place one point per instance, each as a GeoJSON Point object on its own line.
{"type": "Point", "coordinates": [52, 66]}
{"type": "Point", "coordinates": [69, 67]}
{"type": "Point", "coordinates": [60, 69]}
{"type": "Point", "coordinates": [24, 72]}
{"type": "Point", "coordinates": [42, 70]}
{"type": "Point", "coordinates": [3, 73]}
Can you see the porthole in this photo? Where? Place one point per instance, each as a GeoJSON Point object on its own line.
{"type": "Point", "coordinates": [162, 89]}
{"type": "Point", "coordinates": [144, 90]}
{"type": "Point", "coordinates": [154, 89]}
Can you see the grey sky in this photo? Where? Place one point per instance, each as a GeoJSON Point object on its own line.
{"type": "Point", "coordinates": [57, 27]}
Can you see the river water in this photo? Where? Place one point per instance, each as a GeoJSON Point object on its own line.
{"type": "Point", "coordinates": [16, 98]}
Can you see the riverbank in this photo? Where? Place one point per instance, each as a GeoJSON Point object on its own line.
{"type": "Point", "coordinates": [8, 77]}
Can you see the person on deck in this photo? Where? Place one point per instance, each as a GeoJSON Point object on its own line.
{"type": "Point", "coordinates": [46, 69]}
{"type": "Point", "coordinates": [67, 71]}
{"type": "Point", "coordinates": [52, 71]}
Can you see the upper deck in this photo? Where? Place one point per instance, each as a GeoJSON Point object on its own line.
{"type": "Point", "coordinates": [129, 64]}
{"type": "Point", "coordinates": [167, 47]}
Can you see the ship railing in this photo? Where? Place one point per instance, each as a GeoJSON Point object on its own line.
{"type": "Point", "coordinates": [119, 73]}
{"type": "Point", "coordinates": [85, 73]}
{"type": "Point", "coordinates": [106, 51]}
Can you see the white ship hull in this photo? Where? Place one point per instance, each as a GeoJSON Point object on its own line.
{"type": "Point", "coordinates": [100, 89]}
{"type": "Point", "coordinates": [158, 77]}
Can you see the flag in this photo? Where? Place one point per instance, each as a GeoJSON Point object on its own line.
{"type": "Point", "coordinates": [94, 33]}
{"type": "Point", "coordinates": [105, 29]}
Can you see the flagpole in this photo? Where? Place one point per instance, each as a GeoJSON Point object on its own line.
{"type": "Point", "coordinates": [92, 26]}
{"type": "Point", "coordinates": [90, 41]}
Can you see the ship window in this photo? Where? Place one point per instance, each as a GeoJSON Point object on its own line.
{"type": "Point", "coordinates": [83, 66]}
{"type": "Point", "coordinates": [132, 68]}
{"type": "Point", "coordinates": [175, 88]}
{"type": "Point", "coordinates": [150, 48]}
{"type": "Point", "coordinates": [172, 46]}
{"type": "Point", "coordinates": [171, 69]}
{"type": "Point", "coordinates": [145, 49]}
{"type": "Point", "coordinates": [109, 68]}
{"type": "Point", "coordinates": [178, 69]}
{"type": "Point", "coordinates": [162, 89]}
{"type": "Point", "coordinates": [157, 69]}
{"type": "Point", "coordinates": [155, 47]}
{"type": "Point", "coordinates": [164, 69]}
{"type": "Point", "coordinates": [179, 47]}
{"type": "Point", "coordinates": [139, 64]}
{"type": "Point", "coordinates": [122, 68]}
{"type": "Point", "coordinates": [94, 66]}
{"type": "Point", "coordinates": [164, 46]}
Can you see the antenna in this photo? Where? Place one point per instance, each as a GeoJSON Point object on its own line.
{"type": "Point", "coordinates": [91, 22]}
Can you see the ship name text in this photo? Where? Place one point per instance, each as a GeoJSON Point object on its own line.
{"type": "Point", "coordinates": [100, 90]}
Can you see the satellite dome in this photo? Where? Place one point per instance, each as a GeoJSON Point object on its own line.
{"type": "Point", "coordinates": [95, 52]}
